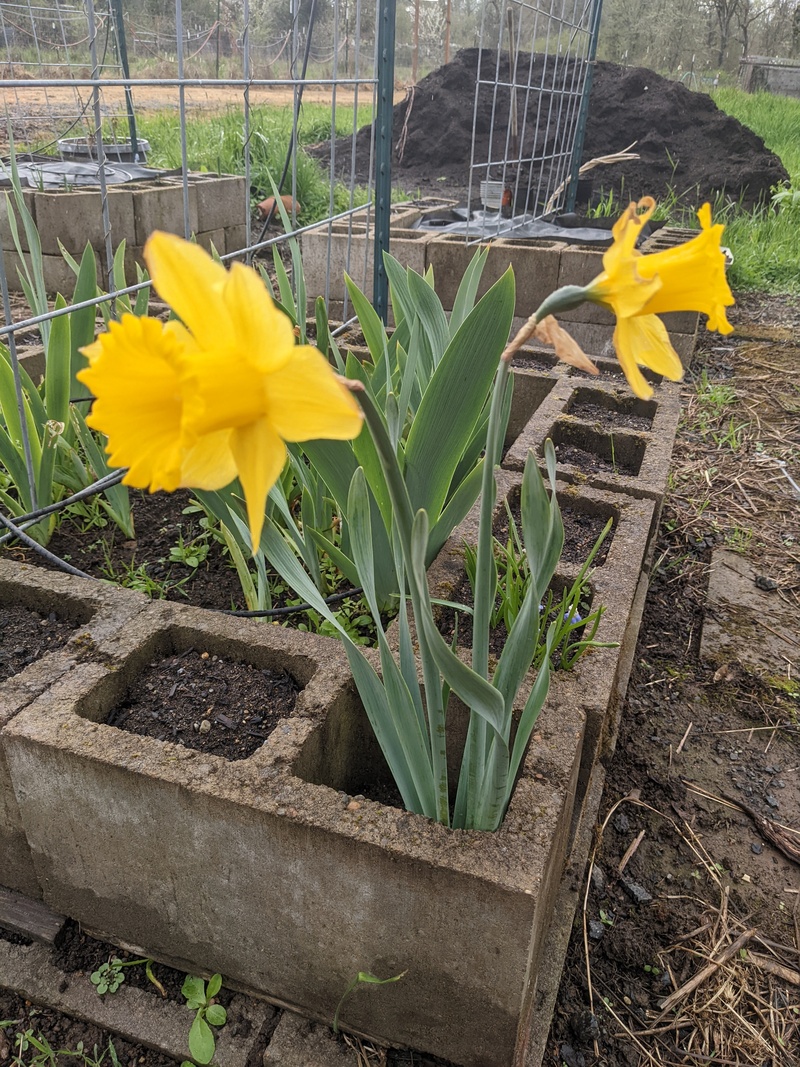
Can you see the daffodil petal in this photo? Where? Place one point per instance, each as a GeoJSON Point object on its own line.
{"type": "Point", "coordinates": [209, 462]}
{"type": "Point", "coordinates": [627, 360]}
{"type": "Point", "coordinates": [308, 402]}
{"type": "Point", "coordinates": [654, 348]}
{"type": "Point", "coordinates": [134, 372]}
{"type": "Point", "coordinates": [259, 454]}
{"type": "Point", "coordinates": [263, 332]}
{"type": "Point", "coordinates": [644, 340]}
{"type": "Point", "coordinates": [189, 280]}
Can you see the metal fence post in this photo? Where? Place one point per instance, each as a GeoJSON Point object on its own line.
{"type": "Point", "coordinates": [583, 113]}
{"type": "Point", "coordinates": [383, 154]}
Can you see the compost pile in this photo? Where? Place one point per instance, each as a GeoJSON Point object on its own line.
{"type": "Point", "coordinates": [685, 142]}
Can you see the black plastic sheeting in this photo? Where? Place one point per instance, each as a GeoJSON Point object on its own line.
{"type": "Point", "coordinates": [571, 229]}
{"type": "Point", "coordinates": [50, 174]}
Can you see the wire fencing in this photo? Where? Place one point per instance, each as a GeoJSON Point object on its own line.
{"type": "Point", "coordinates": [118, 123]}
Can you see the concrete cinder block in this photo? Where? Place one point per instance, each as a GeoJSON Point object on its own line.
{"type": "Point", "coordinates": [136, 1014]}
{"type": "Point", "coordinates": [221, 199]}
{"type": "Point", "coordinates": [236, 238]}
{"type": "Point", "coordinates": [536, 268]}
{"type": "Point", "coordinates": [75, 217]}
{"type": "Point", "coordinates": [209, 238]}
{"type": "Point", "coordinates": [98, 612]}
{"type": "Point", "coordinates": [329, 253]}
{"type": "Point", "coordinates": [598, 682]}
{"type": "Point", "coordinates": [159, 206]}
{"type": "Point", "coordinates": [272, 835]}
{"type": "Point", "coordinates": [58, 275]}
{"type": "Point", "coordinates": [8, 203]}
{"type": "Point", "coordinates": [637, 461]}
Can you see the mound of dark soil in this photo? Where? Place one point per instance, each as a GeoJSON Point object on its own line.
{"type": "Point", "coordinates": [685, 142]}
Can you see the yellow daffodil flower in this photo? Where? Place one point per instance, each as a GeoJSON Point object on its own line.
{"type": "Point", "coordinates": [197, 403]}
{"type": "Point", "coordinates": [637, 288]}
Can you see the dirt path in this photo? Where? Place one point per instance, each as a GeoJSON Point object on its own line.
{"type": "Point", "coordinates": [709, 748]}
{"type": "Point", "coordinates": [43, 111]}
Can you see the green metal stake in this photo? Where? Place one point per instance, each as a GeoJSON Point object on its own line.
{"type": "Point", "coordinates": [122, 51]}
{"type": "Point", "coordinates": [383, 154]}
{"type": "Point", "coordinates": [583, 113]}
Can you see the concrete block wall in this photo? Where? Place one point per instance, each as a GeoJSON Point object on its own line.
{"type": "Point", "coordinates": [217, 214]}
{"type": "Point", "coordinates": [540, 267]}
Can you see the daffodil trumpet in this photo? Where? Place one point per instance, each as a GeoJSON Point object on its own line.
{"type": "Point", "coordinates": [638, 288]}
{"type": "Point", "coordinates": [214, 396]}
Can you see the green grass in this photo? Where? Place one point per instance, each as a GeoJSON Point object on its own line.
{"type": "Point", "coordinates": [216, 143]}
{"type": "Point", "coordinates": [764, 241]}
{"type": "Point", "coordinates": [776, 119]}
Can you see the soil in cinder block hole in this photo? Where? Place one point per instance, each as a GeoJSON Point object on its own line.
{"type": "Point", "coordinates": [591, 462]}
{"type": "Point", "coordinates": [27, 635]}
{"type": "Point", "coordinates": [581, 530]}
{"type": "Point", "coordinates": [207, 703]}
{"type": "Point", "coordinates": [611, 417]}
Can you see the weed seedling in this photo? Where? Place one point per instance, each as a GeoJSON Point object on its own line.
{"type": "Point", "coordinates": [109, 976]}
{"type": "Point", "coordinates": [362, 978]}
{"type": "Point", "coordinates": [200, 999]}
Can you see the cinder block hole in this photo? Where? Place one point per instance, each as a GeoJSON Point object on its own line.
{"type": "Point", "coordinates": [47, 601]}
{"type": "Point", "coordinates": [343, 753]}
{"type": "Point", "coordinates": [34, 622]}
{"type": "Point", "coordinates": [242, 688]}
{"type": "Point", "coordinates": [597, 406]}
{"type": "Point", "coordinates": [584, 521]}
{"type": "Point", "coordinates": [592, 451]}
{"type": "Point", "coordinates": [537, 358]}
{"type": "Point", "coordinates": [530, 390]}
{"type": "Point", "coordinates": [610, 370]}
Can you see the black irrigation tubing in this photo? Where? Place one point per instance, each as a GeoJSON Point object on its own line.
{"type": "Point", "coordinates": [23, 521]}
{"type": "Point", "coordinates": [55, 560]}
{"type": "Point", "coordinates": [297, 609]}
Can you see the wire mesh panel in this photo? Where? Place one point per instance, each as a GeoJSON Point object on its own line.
{"type": "Point", "coordinates": [186, 117]}
{"type": "Point", "coordinates": [532, 83]}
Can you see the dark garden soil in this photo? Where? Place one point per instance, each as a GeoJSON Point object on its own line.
{"type": "Point", "coordinates": [679, 876]}
{"type": "Point", "coordinates": [581, 530]}
{"type": "Point", "coordinates": [604, 416]}
{"type": "Point", "coordinates": [592, 462]}
{"type": "Point", "coordinates": [144, 563]}
{"type": "Point", "coordinates": [207, 703]}
{"type": "Point", "coordinates": [685, 142]}
{"type": "Point", "coordinates": [27, 635]}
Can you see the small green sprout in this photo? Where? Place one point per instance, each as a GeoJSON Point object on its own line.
{"type": "Point", "coordinates": [200, 999]}
{"type": "Point", "coordinates": [109, 976]}
{"type": "Point", "coordinates": [362, 978]}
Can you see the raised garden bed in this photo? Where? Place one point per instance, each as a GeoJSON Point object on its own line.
{"type": "Point", "coordinates": [272, 871]}
{"type": "Point", "coordinates": [604, 437]}
{"type": "Point", "coordinates": [87, 615]}
{"type": "Point", "coordinates": [618, 582]}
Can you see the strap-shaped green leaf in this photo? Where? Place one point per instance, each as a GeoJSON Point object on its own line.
{"type": "Point", "coordinates": [542, 527]}
{"type": "Point", "coordinates": [82, 321]}
{"type": "Point", "coordinates": [455, 398]}
{"type": "Point", "coordinates": [468, 289]}
{"type": "Point", "coordinates": [478, 694]}
{"type": "Point", "coordinates": [371, 325]}
{"type": "Point", "coordinates": [428, 308]}
{"type": "Point", "coordinates": [57, 366]}
{"type": "Point", "coordinates": [402, 305]}
{"type": "Point", "coordinates": [455, 511]}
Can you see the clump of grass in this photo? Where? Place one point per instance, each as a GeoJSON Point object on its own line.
{"type": "Point", "coordinates": [776, 120]}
